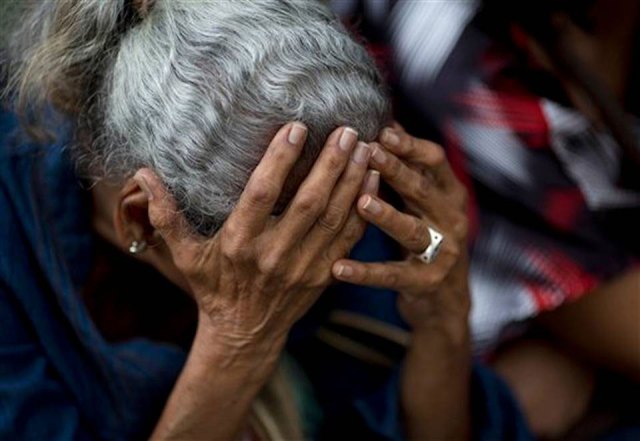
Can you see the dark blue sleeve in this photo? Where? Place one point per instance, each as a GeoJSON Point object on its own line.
{"type": "Point", "coordinates": [34, 405]}
{"type": "Point", "coordinates": [494, 411]}
{"type": "Point", "coordinates": [380, 411]}
{"type": "Point", "coordinates": [377, 415]}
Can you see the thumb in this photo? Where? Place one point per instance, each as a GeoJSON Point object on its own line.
{"type": "Point", "coordinates": [163, 212]}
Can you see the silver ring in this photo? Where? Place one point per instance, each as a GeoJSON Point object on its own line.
{"type": "Point", "coordinates": [432, 251]}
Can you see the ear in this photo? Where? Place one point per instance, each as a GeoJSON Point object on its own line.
{"type": "Point", "coordinates": [131, 218]}
{"type": "Point", "coordinates": [131, 224]}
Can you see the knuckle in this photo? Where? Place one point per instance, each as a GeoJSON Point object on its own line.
{"type": "Point", "coordinates": [334, 162]}
{"type": "Point", "coordinates": [232, 250]}
{"type": "Point", "coordinates": [342, 245]}
{"type": "Point", "coordinates": [316, 280]}
{"type": "Point", "coordinates": [308, 205]}
{"type": "Point", "coordinates": [456, 252]}
{"type": "Point", "coordinates": [390, 279]}
{"type": "Point", "coordinates": [453, 250]}
{"type": "Point", "coordinates": [394, 170]}
{"type": "Point", "coordinates": [271, 264]}
{"type": "Point", "coordinates": [422, 189]}
{"type": "Point", "coordinates": [351, 178]}
{"type": "Point", "coordinates": [417, 234]}
{"type": "Point", "coordinates": [232, 243]}
{"type": "Point", "coordinates": [363, 275]}
{"type": "Point", "coordinates": [353, 232]}
{"type": "Point", "coordinates": [434, 280]}
{"type": "Point", "coordinates": [409, 144]}
{"type": "Point", "coordinates": [332, 219]}
{"type": "Point", "coordinates": [231, 230]}
{"type": "Point", "coordinates": [299, 275]}
{"type": "Point", "coordinates": [461, 228]}
{"type": "Point", "coordinates": [262, 192]}
{"type": "Point", "coordinates": [437, 155]}
{"type": "Point", "coordinates": [406, 144]}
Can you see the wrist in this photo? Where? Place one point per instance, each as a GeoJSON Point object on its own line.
{"type": "Point", "coordinates": [232, 348]}
{"type": "Point", "coordinates": [435, 383]}
{"type": "Point", "coordinates": [218, 384]}
{"type": "Point", "coordinates": [450, 331]}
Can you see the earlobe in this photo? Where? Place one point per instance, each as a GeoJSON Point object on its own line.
{"type": "Point", "coordinates": [137, 247]}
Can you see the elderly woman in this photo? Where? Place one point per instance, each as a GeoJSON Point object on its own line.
{"type": "Point", "coordinates": [176, 119]}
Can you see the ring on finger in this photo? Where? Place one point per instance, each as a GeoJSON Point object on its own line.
{"type": "Point", "coordinates": [435, 244]}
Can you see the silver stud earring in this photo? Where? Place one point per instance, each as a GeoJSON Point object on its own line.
{"type": "Point", "coordinates": [137, 247]}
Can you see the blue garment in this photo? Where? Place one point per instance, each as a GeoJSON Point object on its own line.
{"type": "Point", "coordinates": [60, 379]}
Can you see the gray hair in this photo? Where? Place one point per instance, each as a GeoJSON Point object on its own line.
{"type": "Point", "coordinates": [194, 89]}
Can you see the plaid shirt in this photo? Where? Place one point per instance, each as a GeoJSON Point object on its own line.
{"type": "Point", "coordinates": [551, 219]}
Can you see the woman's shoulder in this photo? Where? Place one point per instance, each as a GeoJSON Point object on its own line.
{"type": "Point", "coordinates": [42, 207]}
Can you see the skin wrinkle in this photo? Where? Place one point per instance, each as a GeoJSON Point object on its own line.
{"type": "Point", "coordinates": [196, 90]}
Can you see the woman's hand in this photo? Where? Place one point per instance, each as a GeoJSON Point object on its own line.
{"type": "Point", "coordinates": [434, 297]}
{"type": "Point", "coordinates": [419, 172]}
{"type": "Point", "coordinates": [259, 274]}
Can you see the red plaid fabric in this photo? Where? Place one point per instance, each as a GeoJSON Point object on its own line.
{"type": "Point", "coordinates": [552, 220]}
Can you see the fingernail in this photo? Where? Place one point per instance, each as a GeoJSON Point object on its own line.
{"type": "Point", "coordinates": [362, 153]}
{"type": "Point", "coordinates": [390, 137]}
{"type": "Point", "coordinates": [379, 156]}
{"type": "Point", "coordinates": [348, 139]}
{"type": "Point", "coordinates": [144, 185]}
{"type": "Point", "coordinates": [373, 182]}
{"type": "Point", "coordinates": [297, 134]}
{"type": "Point", "coordinates": [371, 205]}
{"type": "Point", "coordinates": [344, 271]}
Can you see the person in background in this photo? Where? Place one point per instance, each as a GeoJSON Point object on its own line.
{"type": "Point", "coordinates": [537, 107]}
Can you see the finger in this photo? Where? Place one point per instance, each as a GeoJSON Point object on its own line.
{"type": "Point", "coordinates": [163, 213]}
{"type": "Point", "coordinates": [315, 191]}
{"type": "Point", "coordinates": [342, 199]}
{"type": "Point", "coordinates": [426, 154]}
{"type": "Point", "coordinates": [414, 187]}
{"type": "Point", "coordinates": [371, 183]}
{"type": "Point", "coordinates": [389, 275]}
{"type": "Point", "coordinates": [340, 227]}
{"type": "Point", "coordinates": [409, 231]}
{"type": "Point", "coordinates": [322, 263]}
{"type": "Point", "coordinates": [355, 226]}
{"type": "Point", "coordinates": [411, 277]}
{"type": "Point", "coordinates": [348, 237]}
{"type": "Point", "coordinates": [263, 190]}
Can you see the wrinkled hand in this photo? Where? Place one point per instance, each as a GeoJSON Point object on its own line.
{"type": "Point", "coordinates": [419, 172]}
{"type": "Point", "coordinates": [261, 273]}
